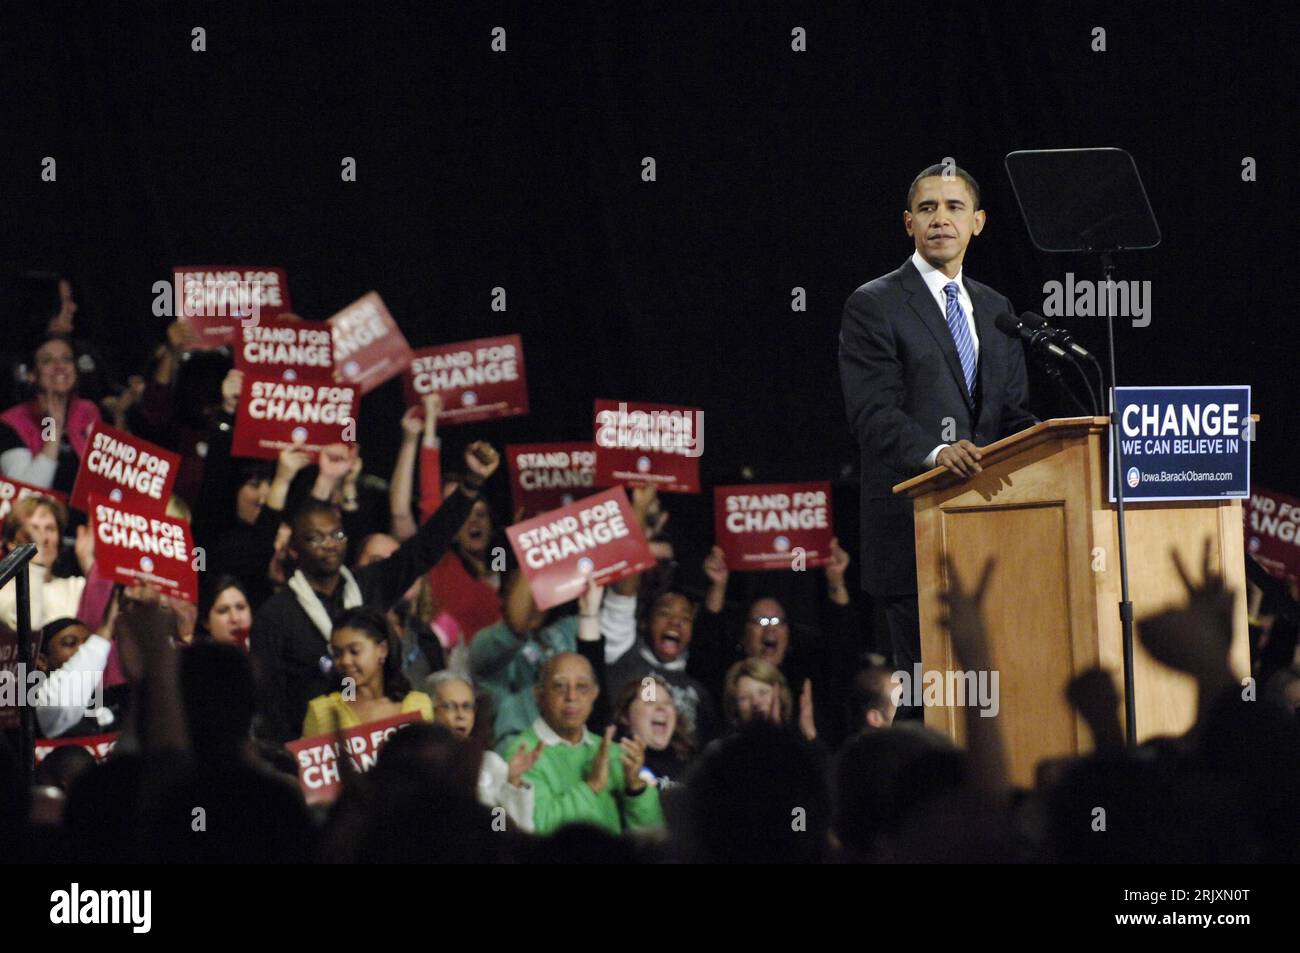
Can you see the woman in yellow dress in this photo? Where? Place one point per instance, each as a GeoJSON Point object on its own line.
{"type": "Point", "coordinates": [368, 662]}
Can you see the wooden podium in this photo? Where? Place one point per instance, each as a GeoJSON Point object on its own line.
{"type": "Point", "coordinates": [1040, 509]}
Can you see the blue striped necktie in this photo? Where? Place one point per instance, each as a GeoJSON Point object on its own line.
{"type": "Point", "coordinates": [961, 336]}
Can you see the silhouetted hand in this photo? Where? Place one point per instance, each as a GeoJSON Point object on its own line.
{"type": "Point", "coordinates": [964, 619]}
{"type": "Point", "coordinates": [1196, 638]}
{"type": "Point", "coordinates": [1094, 697]}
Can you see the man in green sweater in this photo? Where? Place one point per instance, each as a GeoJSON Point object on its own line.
{"type": "Point", "coordinates": [579, 776]}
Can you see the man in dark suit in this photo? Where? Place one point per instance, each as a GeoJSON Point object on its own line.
{"type": "Point", "coordinates": [928, 379]}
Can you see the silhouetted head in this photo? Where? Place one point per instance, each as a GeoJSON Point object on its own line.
{"type": "Point", "coordinates": [759, 796]}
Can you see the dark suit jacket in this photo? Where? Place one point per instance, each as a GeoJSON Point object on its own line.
{"type": "Point", "coordinates": [902, 380]}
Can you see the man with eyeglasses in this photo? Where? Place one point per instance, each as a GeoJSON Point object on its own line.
{"type": "Point", "coordinates": [580, 777]}
{"type": "Point", "coordinates": [291, 631]}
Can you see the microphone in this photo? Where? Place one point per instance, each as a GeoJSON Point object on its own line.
{"type": "Point", "coordinates": [1060, 335]}
{"type": "Point", "coordinates": [1037, 337]}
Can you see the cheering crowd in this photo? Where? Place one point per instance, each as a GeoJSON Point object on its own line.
{"type": "Point", "coordinates": [675, 715]}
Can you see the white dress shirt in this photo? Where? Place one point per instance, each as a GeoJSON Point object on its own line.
{"type": "Point", "coordinates": [936, 280]}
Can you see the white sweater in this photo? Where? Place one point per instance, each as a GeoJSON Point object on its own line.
{"type": "Point", "coordinates": [52, 598]}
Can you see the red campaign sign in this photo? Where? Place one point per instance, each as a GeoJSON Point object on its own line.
{"type": "Point", "coordinates": [11, 491]}
{"type": "Point", "coordinates": [770, 525]}
{"type": "Point", "coordinates": [595, 538]}
{"type": "Point", "coordinates": [124, 469]}
{"type": "Point", "coordinates": [216, 299]}
{"type": "Point", "coordinates": [290, 350]}
{"type": "Point", "coordinates": [547, 476]}
{"type": "Point", "coordinates": [101, 746]}
{"type": "Point", "coordinates": [369, 348]}
{"type": "Point", "coordinates": [319, 773]}
{"type": "Point", "coordinates": [1272, 522]}
{"type": "Point", "coordinates": [274, 413]}
{"type": "Point", "coordinates": [478, 380]}
{"type": "Point", "coordinates": [655, 445]}
{"type": "Point", "coordinates": [135, 548]}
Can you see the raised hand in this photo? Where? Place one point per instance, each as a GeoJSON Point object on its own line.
{"type": "Point", "coordinates": [292, 459]}
{"type": "Point", "coordinates": [354, 468]}
{"type": "Point", "coordinates": [589, 601]}
{"type": "Point", "coordinates": [643, 501]}
{"type": "Point", "coordinates": [1094, 697]}
{"type": "Point", "coordinates": [335, 461]}
{"type": "Point", "coordinates": [142, 593]}
{"type": "Point", "coordinates": [1196, 638]}
{"type": "Point", "coordinates": [412, 423]}
{"type": "Point", "coordinates": [85, 549]}
{"type": "Point", "coordinates": [432, 408]}
{"type": "Point", "coordinates": [598, 776]}
{"type": "Point", "coordinates": [230, 388]}
{"type": "Point", "coordinates": [965, 623]}
{"type": "Point", "coordinates": [180, 334]}
{"type": "Point", "coordinates": [807, 725]}
{"type": "Point", "coordinates": [135, 385]}
{"type": "Point", "coordinates": [715, 567]}
{"type": "Point", "coordinates": [963, 618]}
{"type": "Point", "coordinates": [521, 762]}
{"type": "Point", "coordinates": [838, 564]}
{"type": "Point", "coordinates": [482, 459]}
{"type": "Point", "coordinates": [632, 753]}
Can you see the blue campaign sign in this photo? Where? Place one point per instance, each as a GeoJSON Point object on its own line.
{"type": "Point", "coordinates": [1183, 443]}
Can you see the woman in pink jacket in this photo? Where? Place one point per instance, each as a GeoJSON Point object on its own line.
{"type": "Point", "coordinates": [43, 439]}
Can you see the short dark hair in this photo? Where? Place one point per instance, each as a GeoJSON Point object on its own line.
{"type": "Point", "coordinates": [53, 628]}
{"type": "Point", "coordinates": [254, 471]}
{"type": "Point", "coordinates": [870, 690]}
{"type": "Point", "coordinates": [311, 507]}
{"type": "Point", "coordinates": [940, 169]}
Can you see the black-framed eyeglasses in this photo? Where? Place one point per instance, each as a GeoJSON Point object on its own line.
{"type": "Point", "coordinates": [766, 620]}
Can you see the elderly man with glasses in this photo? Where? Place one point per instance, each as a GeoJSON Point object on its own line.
{"type": "Point", "coordinates": [579, 776]}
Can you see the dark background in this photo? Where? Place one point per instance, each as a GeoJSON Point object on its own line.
{"type": "Point", "coordinates": [775, 169]}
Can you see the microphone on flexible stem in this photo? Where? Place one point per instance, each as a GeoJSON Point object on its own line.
{"type": "Point", "coordinates": [1064, 338]}
{"type": "Point", "coordinates": [1061, 336]}
{"type": "Point", "coordinates": [1038, 338]}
